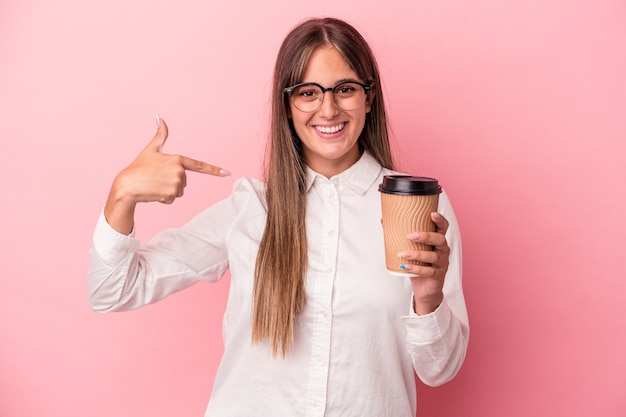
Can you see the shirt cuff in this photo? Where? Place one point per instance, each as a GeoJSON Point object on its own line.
{"type": "Point", "coordinates": [429, 327]}
{"type": "Point", "coordinates": [110, 245]}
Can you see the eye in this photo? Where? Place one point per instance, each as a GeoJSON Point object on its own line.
{"type": "Point", "coordinates": [308, 92]}
{"type": "Point", "coordinates": [346, 89]}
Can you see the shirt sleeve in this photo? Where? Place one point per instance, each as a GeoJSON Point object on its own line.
{"type": "Point", "coordinates": [437, 342]}
{"type": "Point", "coordinates": [124, 274]}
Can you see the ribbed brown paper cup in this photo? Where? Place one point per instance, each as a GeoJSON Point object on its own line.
{"type": "Point", "coordinates": [407, 202]}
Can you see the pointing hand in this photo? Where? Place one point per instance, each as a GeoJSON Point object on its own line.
{"type": "Point", "coordinates": [157, 176]}
{"type": "Point", "coordinates": [152, 176]}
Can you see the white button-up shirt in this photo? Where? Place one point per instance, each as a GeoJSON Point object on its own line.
{"type": "Point", "coordinates": [357, 342]}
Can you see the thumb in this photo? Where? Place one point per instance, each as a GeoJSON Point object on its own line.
{"type": "Point", "coordinates": [160, 137]}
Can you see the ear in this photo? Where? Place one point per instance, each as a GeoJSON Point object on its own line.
{"type": "Point", "coordinates": [369, 100]}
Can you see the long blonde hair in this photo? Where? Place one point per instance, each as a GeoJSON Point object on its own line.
{"type": "Point", "coordinates": [281, 264]}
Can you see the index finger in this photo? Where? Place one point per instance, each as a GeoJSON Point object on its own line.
{"type": "Point", "coordinates": [441, 222]}
{"type": "Point", "coordinates": [436, 239]}
{"type": "Point", "coordinates": [202, 167]}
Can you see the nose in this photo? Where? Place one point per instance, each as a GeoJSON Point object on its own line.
{"type": "Point", "coordinates": [328, 108]}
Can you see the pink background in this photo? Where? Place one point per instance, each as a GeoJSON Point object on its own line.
{"type": "Point", "coordinates": [518, 107]}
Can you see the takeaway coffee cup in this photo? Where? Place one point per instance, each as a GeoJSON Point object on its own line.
{"type": "Point", "coordinates": [407, 202]}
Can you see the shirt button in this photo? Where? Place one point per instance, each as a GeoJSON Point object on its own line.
{"type": "Point", "coordinates": [331, 233]}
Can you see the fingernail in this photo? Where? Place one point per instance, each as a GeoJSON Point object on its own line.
{"type": "Point", "coordinates": [158, 120]}
{"type": "Point", "coordinates": [413, 236]}
{"type": "Point", "coordinates": [402, 266]}
{"type": "Point", "coordinates": [402, 254]}
{"type": "Point", "coordinates": [224, 172]}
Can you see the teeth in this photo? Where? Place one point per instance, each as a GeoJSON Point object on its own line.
{"type": "Point", "coordinates": [330, 129]}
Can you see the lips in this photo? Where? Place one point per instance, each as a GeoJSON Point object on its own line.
{"type": "Point", "coordinates": [329, 130]}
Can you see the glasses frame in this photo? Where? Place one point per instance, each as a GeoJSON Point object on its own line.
{"type": "Point", "coordinates": [289, 92]}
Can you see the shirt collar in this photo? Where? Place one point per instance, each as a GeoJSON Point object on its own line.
{"type": "Point", "coordinates": [360, 176]}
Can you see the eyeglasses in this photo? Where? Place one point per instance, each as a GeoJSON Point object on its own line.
{"type": "Point", "coordinates": [308, 97]}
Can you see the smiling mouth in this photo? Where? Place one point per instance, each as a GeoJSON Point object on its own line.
{"type": "Point", "coordinates": [330, 129]}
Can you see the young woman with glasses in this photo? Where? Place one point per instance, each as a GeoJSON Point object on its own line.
{"type": "Point", "coordinates": [314, 325]}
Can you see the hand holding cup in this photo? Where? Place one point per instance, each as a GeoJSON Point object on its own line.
{"type": "Point", "coordinates": [414, 236]}
{"type": "Point", "coordinates": [407, 203]}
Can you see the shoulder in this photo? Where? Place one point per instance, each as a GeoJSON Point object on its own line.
{"type": "Point", "coordinates": [246, 201]}
{"type": "Point", "coordinates": [248, 191]}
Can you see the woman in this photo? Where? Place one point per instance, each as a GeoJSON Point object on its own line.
{"type": "Point", "coordinates": [314, 326]}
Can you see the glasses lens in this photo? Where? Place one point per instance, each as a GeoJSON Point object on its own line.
{"type": "Point", "coordinates": [349, 96]}
{"type": "Point", "coordinates": [308, 97]}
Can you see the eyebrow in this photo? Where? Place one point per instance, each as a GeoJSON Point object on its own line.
{"type": "Point", "coordinates": [343, 80]}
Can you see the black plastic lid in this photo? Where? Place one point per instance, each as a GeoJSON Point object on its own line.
{"type": "Point", "coordinates": [409, 185]}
